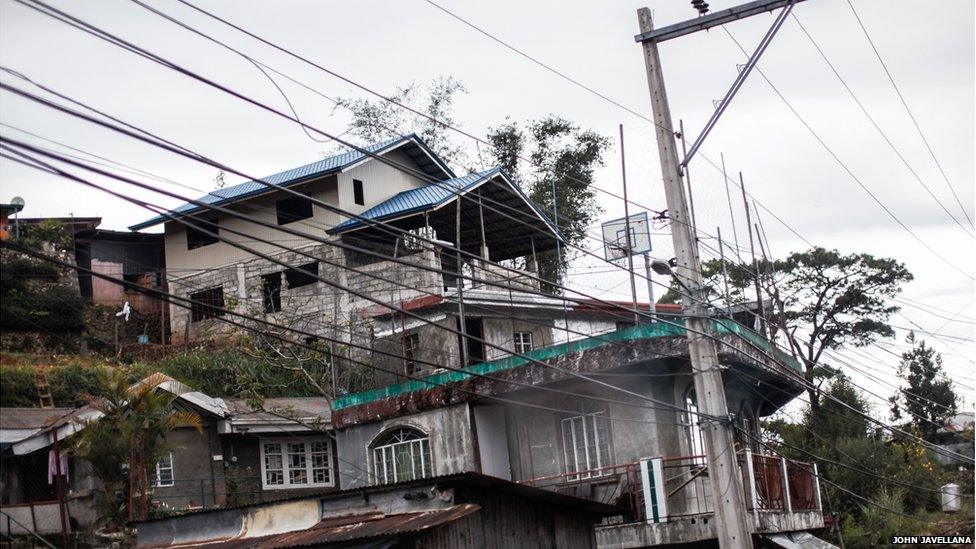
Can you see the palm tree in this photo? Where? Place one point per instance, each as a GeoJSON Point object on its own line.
{"type": "Point", "coordinates": [130, 434]}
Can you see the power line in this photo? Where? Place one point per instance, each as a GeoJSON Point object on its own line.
{"type": "Point", "coordinates": [909, 111]}
{"type": "Point", "coordinates": [847, 169]}
{"type": "Point", "coordinates": [346, 289]}
{"type": "Point", "coordinates": [878, 128]}
{"type": "Point", "coordinates": [135, 49]}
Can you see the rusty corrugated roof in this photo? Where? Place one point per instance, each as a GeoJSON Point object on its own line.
{"type": "Point", "coordinates": [353, 527]}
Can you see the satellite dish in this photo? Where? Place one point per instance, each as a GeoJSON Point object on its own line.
{"type": "Point", "coordinates": [17, 201]}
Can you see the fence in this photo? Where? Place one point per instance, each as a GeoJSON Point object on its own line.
{"type": "Point", "coordinates": [659, 489]}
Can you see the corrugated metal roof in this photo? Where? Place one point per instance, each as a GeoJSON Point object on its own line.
{"type": "Point", "coordinates": [277, 409]}
{"type": "Point", "coordinates": [30, 418]}
{"type": "Point", "coordinates": [293, 176]}
{"type": "Point", "coordinates": [418, 200]}
{"type": "Point", "coordinates": [353, 527]}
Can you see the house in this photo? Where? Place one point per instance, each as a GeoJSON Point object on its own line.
{"type": "Point", "coordinates": [243, 455]}
{"type": "Point", "coordinates": [137, 258]}
{"type": "Point", "coordinates": [485, 374]}
{"type": "Point", "coordinates": [460, 510]}
{"type": "Point", "coordinates": [352, 252]}
{"type": "Point", "coordinates": [956, 436]}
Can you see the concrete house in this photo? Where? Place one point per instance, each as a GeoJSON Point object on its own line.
{"type": "Point", "coordinates": [508, 382]}
{"type": "Point", "coordinates": [244, 455]}
{"type": "Point", "coordinates": [405, 185]}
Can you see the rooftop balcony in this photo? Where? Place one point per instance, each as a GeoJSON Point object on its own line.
{"type": "Point", "coordinates": [669, 500]}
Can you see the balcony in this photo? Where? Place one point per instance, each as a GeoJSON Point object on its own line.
{"type": "Point", "coordinates": [669, 500]}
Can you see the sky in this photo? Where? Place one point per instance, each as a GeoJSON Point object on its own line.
{"type": "Point", "coordinates": [928, 48]}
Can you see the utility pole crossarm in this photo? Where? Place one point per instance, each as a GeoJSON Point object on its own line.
{"type": "Point", "coordinates": [711, 20]}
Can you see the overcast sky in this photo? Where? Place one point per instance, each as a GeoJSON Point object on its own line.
{"type": "Point", "coordinates": [928, 47]}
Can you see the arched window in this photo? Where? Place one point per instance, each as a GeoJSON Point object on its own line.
{"type": "Point", "coordinates": [696, 444]}
{"type": "Point", "coordinates": [402, 454]}
{"type": "Point", "coordinates": [586, 441]}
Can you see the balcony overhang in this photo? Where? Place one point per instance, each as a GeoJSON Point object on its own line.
{"type": "Point", "coordinates": [631, 346]}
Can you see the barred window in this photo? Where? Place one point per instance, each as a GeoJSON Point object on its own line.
{"type": "Point", "coordinates": [403, 454]}
{"type": "Point", "coordinates": [299, 464]}
{"type": "Point", "coordinates": [207, 304]}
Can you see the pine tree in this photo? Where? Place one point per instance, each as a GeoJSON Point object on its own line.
{"type": "Point", "coordinates": [927, 400]}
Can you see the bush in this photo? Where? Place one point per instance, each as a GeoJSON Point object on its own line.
{"type": "Point", "coordinates": [55, 309]}
{"type": "Point", "coordinates": [72, 384]}
{"type": "Point", "coordinates": [17, 387]}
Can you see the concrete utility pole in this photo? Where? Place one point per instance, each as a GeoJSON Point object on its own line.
{"type": "Point", "coordinates": [724, 477]}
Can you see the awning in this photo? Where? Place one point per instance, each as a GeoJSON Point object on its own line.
{"type": "Point", "coordinates": [799, 540]}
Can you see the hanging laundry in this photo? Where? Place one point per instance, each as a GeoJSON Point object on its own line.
{"type": "Point", "coordinates": [52, 466]}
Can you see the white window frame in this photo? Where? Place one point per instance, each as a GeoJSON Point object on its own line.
{"type": "Point", "coordinates": [379, 453]}
{"type": "Point", "coordinates": [522, 342]}
{"type": "Point", "coordinates": [590, 429]}
{"type": "Point", "coordinates": [157, 483]}
{"type": "Point", "coordinates": [286, 468]}
{"type": "Point", "coordinates": [694, 434]}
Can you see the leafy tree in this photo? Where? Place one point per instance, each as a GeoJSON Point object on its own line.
{"type": "Point", "coordinates": [822, 300]}
{"type": "Point", "coordinates": [563, 157]}
{"type": "Point", "coordinates": [560, 153]}
{"type": "Point", "coordinates": [376, 120]}
{"type": "Point", "coordinates": [928, 401]}
{"type": "Point", "coordinates": [124, 444]}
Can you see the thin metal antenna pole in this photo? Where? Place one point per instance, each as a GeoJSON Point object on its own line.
{"type": "Point", "coordinates": [728, 196]}
{"type": "Point", "coordinates": [630, 244]}
{"type": "Point", "coordinates": [725, 271]}
{"type": "Point", "coordinates": [687, 175]}
{"type": "Point", "coordinates": [752, 250]}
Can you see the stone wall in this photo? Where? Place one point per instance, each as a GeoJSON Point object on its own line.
{"type": "Point", "coordinates": [317, 308]}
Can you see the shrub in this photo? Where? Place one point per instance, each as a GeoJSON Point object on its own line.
{"type": "Point", "coordinates": [17, 387]}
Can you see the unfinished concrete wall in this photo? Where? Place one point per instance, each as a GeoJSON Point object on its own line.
{"type": "Point", "coordinates": [500, 331]}
{"type": "Point", "coordinates": [451, 447]}
{"type": "Point", "coordinates": [198, 469]}
{"type": "Point", "coordinates": [317, 308]}
{"type": "Point", "coordinates": [180, 259]}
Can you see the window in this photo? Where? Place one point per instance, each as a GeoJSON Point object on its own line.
{"type": "Point", "coordinates": [411, 342]}
{"type": "Point", "coordinates": [303, 275]}
{"type": "Point", "coordinates": [293, 208]}
{"type": "Point", "coordinates": [696, 444]}
{"type": "Point", "coordinates": [523, 342]}
{"type": "Point", "coordinates": [207, 304]}
{"type": "Point", "coordinates": [292, 464]}
{"type": "Point", "coordinates": [357, 192]}
{"type": "Point", "coordinates": [197, 238]}
{"type": "Point", "coordinates": [164, 471]}
{"type": "Point", "coordinates": [586, 443]}
{"type": "Point", "coordinates": [271, 292]}
{"type": "Point", "coordinates": [403, 454]}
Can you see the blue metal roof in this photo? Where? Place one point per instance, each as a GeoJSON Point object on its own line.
{"type": "Point", "coordinates": [418, 200]}
{"type": "Point", "coordinates": [319, 168]}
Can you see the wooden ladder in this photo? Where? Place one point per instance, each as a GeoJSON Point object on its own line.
{"type": "Point", "coordinates": [43, 388]}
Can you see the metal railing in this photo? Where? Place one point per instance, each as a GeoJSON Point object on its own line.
{"type": "Point", "coordinates": [14, 529]}
{"type": "Point", "coordinates": [659, 489]}
{"type": "Point", "coordinates": [613, 485]}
